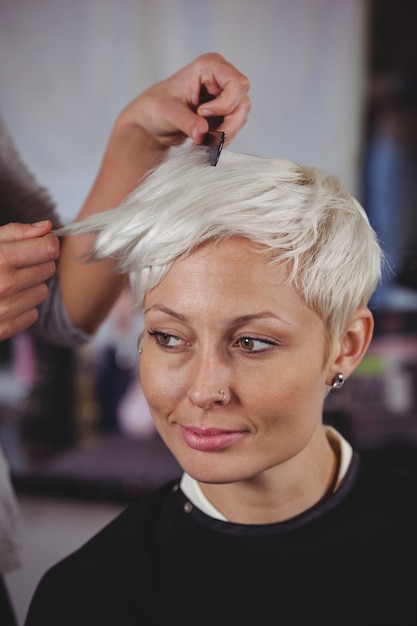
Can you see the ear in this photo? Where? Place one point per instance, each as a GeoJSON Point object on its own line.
{"type": "Point", "coordinates": [352, 345]}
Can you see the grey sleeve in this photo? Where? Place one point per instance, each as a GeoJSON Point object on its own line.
{"type": "Point", "coordinates": [22, 199]}
{"type": "Point", "coordinates": [54, 324]}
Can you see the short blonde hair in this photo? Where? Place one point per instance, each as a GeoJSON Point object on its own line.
{"type": "Point", "coordinates": [294, 213]}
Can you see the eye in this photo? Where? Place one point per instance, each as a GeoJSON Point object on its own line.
{"type": "Point", "coordinates": [165, 340]}
{"type": "Point", "coordinates": [252, 344]}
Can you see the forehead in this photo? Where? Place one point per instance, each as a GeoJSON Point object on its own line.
{"type": "Point", "coordinates": [235, 257]}
{"type": "Point", "coordinates": [231, 277]}
{"type": "Point", "coordinates": [231, 247]}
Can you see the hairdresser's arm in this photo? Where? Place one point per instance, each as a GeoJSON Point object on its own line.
{"type": "Point", "coordinates": [163, 116]}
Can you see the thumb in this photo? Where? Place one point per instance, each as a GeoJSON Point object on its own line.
{"type": "Point", "coordinates": [187, 121]}
{"type": "Point", "coordinates": [15, 231]}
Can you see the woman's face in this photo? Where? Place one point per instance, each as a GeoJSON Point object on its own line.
{"type": "Point", "coordinates": [222, 320]}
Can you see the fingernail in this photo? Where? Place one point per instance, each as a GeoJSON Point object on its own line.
{"type": "Point", "coordinates": [40, 224]}
{"type": "Point", "coordinates": [205, 112]}
{"type": "Point", "coordinates": [195, 133]}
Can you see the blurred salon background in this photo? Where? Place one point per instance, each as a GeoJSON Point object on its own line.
{"type": "Point", "coordinates": [333, 83]}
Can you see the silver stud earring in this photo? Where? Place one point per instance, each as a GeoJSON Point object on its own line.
{"type": "Point", "coordinates": [338, 381]}
{"type": "Point", "coordinates": [140, 345]}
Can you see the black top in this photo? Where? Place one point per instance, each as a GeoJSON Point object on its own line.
{"type": "Point", "coordinates": [348, 560]}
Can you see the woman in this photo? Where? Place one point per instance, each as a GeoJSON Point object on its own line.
{"type": "Point", "coordinates": [254, 278]}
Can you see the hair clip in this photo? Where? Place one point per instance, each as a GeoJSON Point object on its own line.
{"type": "Point", "coordinates": [214, 141]}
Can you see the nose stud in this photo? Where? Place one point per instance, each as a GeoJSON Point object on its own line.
{"type": "Point", "coordinates": [223, 395]}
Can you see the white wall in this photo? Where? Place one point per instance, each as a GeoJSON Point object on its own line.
{"type": "Point", "coordinates": [68, 66]}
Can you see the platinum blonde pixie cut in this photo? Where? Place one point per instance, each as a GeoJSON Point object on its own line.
{"type": "Point", "coordinates": [295, 214]}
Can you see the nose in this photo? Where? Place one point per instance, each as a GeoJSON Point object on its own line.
{"type": "Point", "coordinates": [209, 381]}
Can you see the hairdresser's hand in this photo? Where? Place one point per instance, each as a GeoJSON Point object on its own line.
{"type": "Point", "coordinates": [27, 259]}
{"type": "Point", "coordinates": [162, 116]}
{"type": "Point", "coordinates": [209, 88]}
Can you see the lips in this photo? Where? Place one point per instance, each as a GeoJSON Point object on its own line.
{"type": "Point", "coordinates": [209, 439]}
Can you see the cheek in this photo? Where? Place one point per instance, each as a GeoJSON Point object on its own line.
{"type": "Point", "coordinates": [290, 398]}
{"type": "Point", "coordinates": [150, 382]}
{"type": "Point", "coordinates": [161, 388]}
{"type": "Point", "coordinates": [286, 418]}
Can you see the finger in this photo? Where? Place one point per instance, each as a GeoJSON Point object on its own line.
{"type": "Point", "coordinates": [179, 121]}
{"type": "Point", "coordinates": [24, 300]}
{"type": "Point", "coordinates": [225, 97]}
{"type": "Point", "coordinates": [223, 82]}
{"type": "Point", "coordinates": [19, 311]}
{"type": "Point", "coordinates": [227, 105]}
{"type": "Point", "coordinates": [226, 102]}
{"type": "Point", "coordinates": [28, 252]}
{"type": "Point", "coordinates": [15, 231]}
{"type": "Point", "coordinates": [13, 281]}
{"type": "Point", "coordinates": [213, 120]}
{"type": "Point", "coordinates": [15, 325]}
{"type": "Point", "coordinates": [233, 121]}
{"type": "Point", "coordinates": [195, 126]}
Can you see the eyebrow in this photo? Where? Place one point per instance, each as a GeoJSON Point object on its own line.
{"type": "Point", "coordinates": [164, 309]}
{"type": "Point", "coordinates": [242, 319]}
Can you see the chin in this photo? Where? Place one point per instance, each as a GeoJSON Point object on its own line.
{"type": "Point", "coordinates": [211, 471]}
